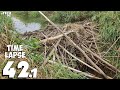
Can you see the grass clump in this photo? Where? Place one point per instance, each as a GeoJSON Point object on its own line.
{"type": "Point", "coordinates": [70, 16]}
{"type": "Point", "coordinates": [57, 71]}
{"type": "Point", "coordinates": [59, 17]}
{"type": "Point", "coordinates": [109, 25]}
{"type": "Point", "coordinates": [109, 22]}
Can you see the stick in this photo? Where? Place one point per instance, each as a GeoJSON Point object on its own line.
{"type": "Point", "coordinates": [56, 37]}
{"type": "Point", "coordinates": [111, 46]}
{"type": "Point", "coordinates": [45, 47]}
{"type": "Point", "coordinates": [96, 45]}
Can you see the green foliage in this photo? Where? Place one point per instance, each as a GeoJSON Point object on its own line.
{"type": "Point", "coordinates": [32, 43]}
{"type": "Point", "coordinates": [118, 76]}
{"type": "Point", "coordinates": [57, 71]}
{"type": "Point", "coordinates": [109, 22]}
{"type": "Point", "coordinates": [34, 14]}
{"type": "Point", "coordinates": [55, 16]}
{"type": "Point", "coordinates": [63, 73]}
{"type": "Point", "coordinates": [70, 16]}
{"type": "Point", "coordinates": [6, 30]}
{"type": "Point", "coordinates": [36, 57]}
{"type": "Point", "coordinates": [5, 21]}
{"type": "Point", "coordinates": [109, 25]}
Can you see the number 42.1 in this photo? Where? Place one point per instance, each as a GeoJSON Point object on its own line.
{"type": "Point", "coordinates": [23, 74]}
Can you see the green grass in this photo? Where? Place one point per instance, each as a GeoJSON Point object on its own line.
{"type": "Point", "coordinates": [57, 71]}
{"type": "Point", "coordinates": [5, 37]}
{"type": "Point", "coordinates": [70, 16]}
{"type": "Point", "coordinates": [59, 17]}
{"type": "Point", "coordinates": [109, 22]}
{"type": "Point", "coordinates": [5, 21]}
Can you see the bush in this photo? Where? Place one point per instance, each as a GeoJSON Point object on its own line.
{"type": "Point", "coordinates": [56, 71]}
{"type": "Point", "coordinates": [5, 21]}
{"type": "Point", "coordinates": [70, 16]}
{"type": "Point", "coordinates": [109, 25]}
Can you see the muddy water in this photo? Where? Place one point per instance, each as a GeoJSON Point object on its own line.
{"type": "Point", "coordinates": [22, 27]}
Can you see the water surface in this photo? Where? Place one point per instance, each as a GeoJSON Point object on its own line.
{"type": "Point", "coordinates": [22, 27]}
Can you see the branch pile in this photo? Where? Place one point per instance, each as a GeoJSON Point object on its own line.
{"type": "Point", "coordinates": [75, 46]}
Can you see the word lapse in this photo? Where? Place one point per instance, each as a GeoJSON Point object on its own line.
{"type": "Point", "coordinates": [15, 51]}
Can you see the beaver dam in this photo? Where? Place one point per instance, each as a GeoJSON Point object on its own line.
{"type": "Point", "coordinates": [76, 48]}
